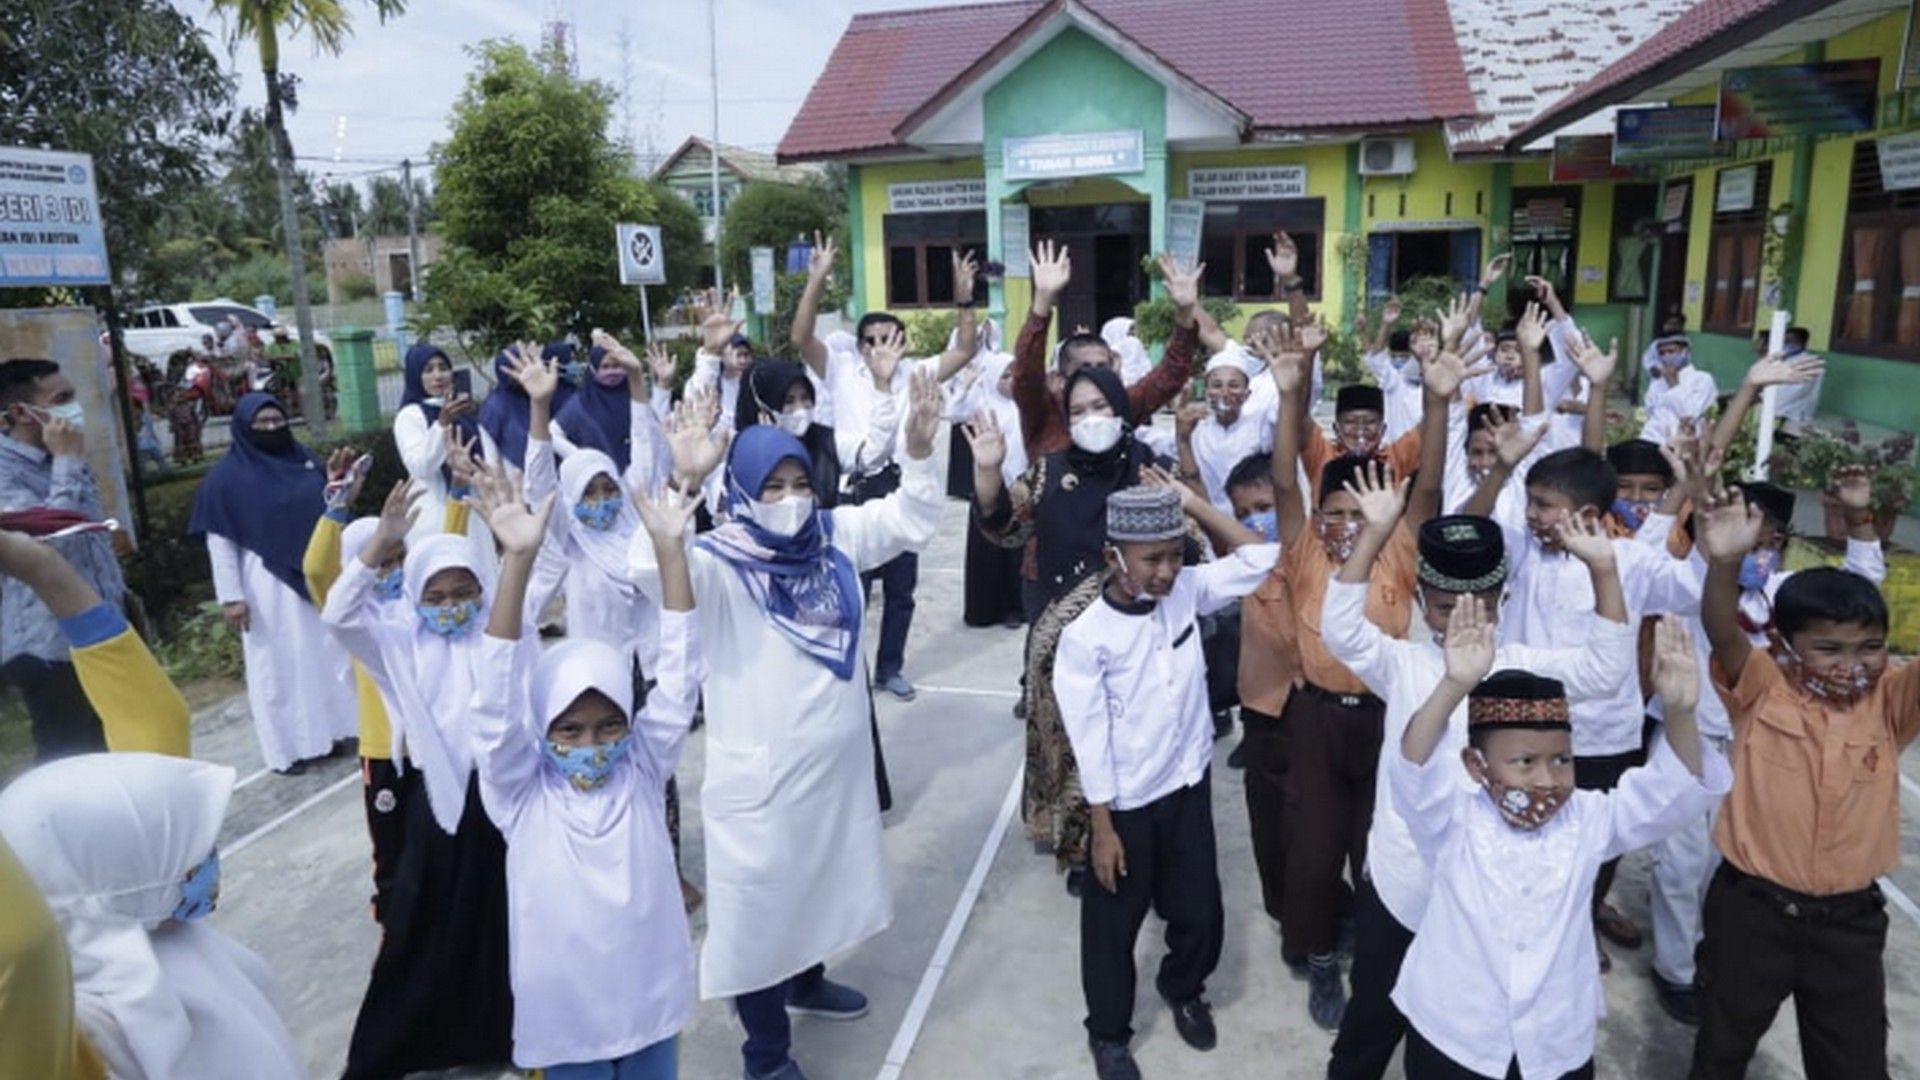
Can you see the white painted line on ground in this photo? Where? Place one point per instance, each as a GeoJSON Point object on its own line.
{"type": "Point", "coordinates": [1900, 899]}
{"type": "Point", "coordinates": [970, 691]}
{"type": "Point", "coordinates": [299, 808]}
{"type": "Point", "coordinates": [250, 778]}
{"type": "Point", "coordinates": [909, 1030]}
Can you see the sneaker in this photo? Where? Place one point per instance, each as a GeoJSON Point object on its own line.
{"type": "Point", "coordinates": [1112, 1060]}
{"type": "Point", "coordinates": [897, 685]}
{"type": "Point", "coordinates": [1326, 992]}
{"type": "Point", "coordinates": [1615, 927]}
{"type": "Point", "coordinates": [828, 1000]}
{"type": "Point", "coordinates": [1682, 1002]}
{"type": "Point", "coordinates": [1238, 758]}
{"type": "Point", "coordinates": [1194, 1021]}
{"type": "Point", "coordinates": [789, 1071]}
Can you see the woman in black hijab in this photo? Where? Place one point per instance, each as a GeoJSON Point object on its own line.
{"type": "Point", "coordinates": [778, 392]}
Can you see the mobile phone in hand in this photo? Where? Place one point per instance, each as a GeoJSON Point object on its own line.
{"type": "Point", "coordinates": [463, 384]}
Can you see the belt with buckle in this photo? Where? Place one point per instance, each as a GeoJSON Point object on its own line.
{"type": "Point", "coordinates": [1345, 701]}
{"type": "Point", "coordinates": [1804, 906]}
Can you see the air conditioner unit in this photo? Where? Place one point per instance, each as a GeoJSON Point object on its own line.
{"type": "Point", "coordinates": [1386, 156]}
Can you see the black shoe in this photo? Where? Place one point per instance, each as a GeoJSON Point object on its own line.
{"type": "Point", "coordinates": [1194, 1021]}
{"type": "Point", "coordinates": [1076, 881]}
{"type": "Point", "coordinates": [344, 748]}
{"type": "Point", "coordinates": [1237, 759]}
{"type": "Point", "coordinates": [1680, 1002]}
{"type": "Point", "coordinates": [1326, 992]}
{"type": "Point", "coordinates": [1112, 1060]}
{"type": "Point", "coordinates": [1020, 708]}
{"type": "Point", "coordinates": [1222, 723]}
{"type": "Point", "coordinates": [298, 768]}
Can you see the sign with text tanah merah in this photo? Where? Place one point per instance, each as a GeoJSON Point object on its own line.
{"type": "Point", "coordinates": [1248, 183]}
{"type": "Point", "coordinates": [1084, 153]}
{"type": "Point", "coordinates": [50, 229]}
{"type": "Point", "coordinates": [936, 196]}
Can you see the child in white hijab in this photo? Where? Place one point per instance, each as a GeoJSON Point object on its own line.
{"type": "Point", "coordinates": [574, 777]}
{"type": "Point", "coordinates": [122, 847]}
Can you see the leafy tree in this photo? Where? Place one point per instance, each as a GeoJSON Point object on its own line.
{"type": "Point", "coordinates": [529, 188]}
{"type": "Point", "coordinates": [131, 82]}
{"type": "Point", "coordinates": [340, 209]}
{"type": "Point", "coordinates": [684, 238]}
{"type": "Point", "coordinates": [771, 215]}
{"type": "Point", "coordinates": [387, 206]}
{"type": "Point", "coordinates": [327, 23]}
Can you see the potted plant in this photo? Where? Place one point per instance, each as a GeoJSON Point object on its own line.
{"type": "Point", "coordinates": [1816, 455]}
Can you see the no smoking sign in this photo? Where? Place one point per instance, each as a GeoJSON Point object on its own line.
{"type": "Point", "coordinates": [642, 261]}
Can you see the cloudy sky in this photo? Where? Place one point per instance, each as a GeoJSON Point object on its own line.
{"type": "Point", "coordinates": [388, 95]}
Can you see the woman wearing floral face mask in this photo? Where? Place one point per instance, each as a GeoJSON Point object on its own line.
{"type": "Point", "coordinates": [438, 996]}
{"type": "Point", "coordinates": [257, 509]}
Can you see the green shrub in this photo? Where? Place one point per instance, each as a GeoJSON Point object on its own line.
{"type": "Point", "coordinates": [199, 646]}
{"type": "Point", "coordinates": [1153, 319]}
{"type": "Point", "coordinates": [928, 331]}
{"type": "Point", "coordinates": [355, 285]}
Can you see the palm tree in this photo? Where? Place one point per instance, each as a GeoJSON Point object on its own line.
{"type": "Point", "coordinates": [262, 22]}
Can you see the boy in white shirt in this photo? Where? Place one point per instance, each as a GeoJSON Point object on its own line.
{"type": "Point", "coordinates": [1677, 391]}
{"type": "Point", "coordinates": [1133, 697]}
{"type": "Point", "coordinates": [1501, 980]}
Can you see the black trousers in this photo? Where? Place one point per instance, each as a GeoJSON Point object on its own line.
{"type": "Point", "coordinates": [1372, 1027]}
{"type": "Point", "coordinates": [1425, 1062]}
{"type": "Point", "coordinates": [381, 789]}
{"type": "Point", "coordinates": [1220, 645]}
{"type": "Point", "coordinates": [1266, 761]}
{"type": "Point", "coordinates": [62, 719]}
{"type": "Point", "coordinates": [1332, 748]}
{"type": "Point", "coordinates": [1601, 774]}
{"type": "Point", "coordinates": [1762, 944]}
{"type": "Point", "coordinates": [1170, 868]}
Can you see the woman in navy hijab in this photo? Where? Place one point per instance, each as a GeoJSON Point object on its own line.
{"type": "Point", "coordinates": [257, 509]}
{"type": "Point", "coordinates": [503, 416]}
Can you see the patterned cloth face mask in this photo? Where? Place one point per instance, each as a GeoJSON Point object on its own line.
{"type": "Point", "coordinates": [1524, 808]}
{"type": "Point", "coordinates": [1633, 512]}
{"type": "Point", "coordinates": [199, 890]}
{"type": "Point", "coordinates": [449, 620]}
{"type": "Point", "coordinates": [1841, 684]}
{"type": "Point", "coordinates": [587, 767]}
{"type": "Point", "coordinates": [389, 584]}
{"type": "Point", "coordinates": [1339, 539]}
{"type": "Point", "coordinates": [598, 514]}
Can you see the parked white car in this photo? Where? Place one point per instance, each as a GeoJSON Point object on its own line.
{"type": "Point", "coordinates": [159, 330]}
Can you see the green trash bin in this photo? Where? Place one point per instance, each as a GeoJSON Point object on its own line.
{"type": "Point", "coordinates": [355, 379]}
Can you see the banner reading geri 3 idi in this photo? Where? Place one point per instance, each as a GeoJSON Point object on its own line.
{"type": "Point", "coordinates": [50, 230]}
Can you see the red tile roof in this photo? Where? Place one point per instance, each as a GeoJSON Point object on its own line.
{"type": "Point", "coordinates": [1305, 66]}
{"type": "Point", "coordinates": [1709, 28]}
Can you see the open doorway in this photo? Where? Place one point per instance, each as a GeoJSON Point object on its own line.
{"type": "Point", "coordinates": [1106, 243]}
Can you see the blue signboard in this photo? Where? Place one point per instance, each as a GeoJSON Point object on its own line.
{"type": "Point", "coordinates": [50, 229]}
{"type": "Point", "coordinates": [1665, 134]}
{"type": "Point", "coordinates": [1085, 153]}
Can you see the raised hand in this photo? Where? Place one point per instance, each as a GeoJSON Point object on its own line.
{"type": "Point", "coordinates": [1585, 539]}
{"type": "Point", "coordinates": [1728, 528]}
{"type": "Point", "coordinates": [1777, 370]}
{"type": "Point", "coordinates": [1383, 499]}
{"type": "Point", "coordinates": [1311, 336]}
{"type": "Point", "coordinates": [1543, 289]}
{"type": "Point", "coordinates": [1596, 365]}
{"type": "Point", "coordinates": [339, 462]}
{"type": "Point", "coordinates": [1676, 667]}
{"type": "Point", "coordinates": [1532, 327]}
{"type": "Point", "coordinates": [1453, 322]}
{"type": "Point", "coordinates": [1051, 268]}
{"type": "Point", "coordinates": [1513, 439]}
{"type": "Point", "coordinates": [1189, 417]}
{"type": "Point", "coordinates": [662, 365]}
{"type": "Point", "coordinates": [691, 441]}
{"type": "Point", "coordinates": [500, 502]}
{"type": "Point", "coordinates": [989, 443]}
{"type": "Point", "coordinates": [966, 268]}
{"type": "Point", "coordinates": [1390, 314]}
{"type": "Point", "coordinates": [1443, 373]}
{"type": "Point", "coordinates": [397, 516]}
{"type": "Point", "coordinates": [717, 329]}
{"type": "Point", "coordinates": [1289, 371]}
{"type": "Point", "coordinates": [924, 402]}
{"type": "Point", "coordinates": [820, 261]}
{"type": "Point", "coordinates": [461, 459]}
{"type": "Point", "coordinates": [883, 359]}
{"type": "Point", "coordinates": [665, 518]}
{"type": "Point", "coordinates": [1469, 642]}
{"type": "Point", "coordinates": [1183, 280]}
{"type": "Point", "coordinates": [1496, 268]}
{"type": "Point", "coordinates": [1853, 488]}
{"type": "Point", "coordinates": [617, 352]}
{"type": "Point", "coordinates": [536, 376]}
{"type": "Point", "coordinates": [1283, 258]}
{"type": "Point", "coordinates": [1157, 477]}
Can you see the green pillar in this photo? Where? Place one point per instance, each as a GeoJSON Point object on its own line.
{"type": "Point", "coordinates": [1351, 224]}
{"type": "Point", "coordinates": [357, 382]}
{"type": "Point", "coordinates": [1155, 162]}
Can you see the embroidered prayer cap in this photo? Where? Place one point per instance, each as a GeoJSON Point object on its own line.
{"type": "Point", "coordinates": [1639, 457]}
{"type": "Point", "coordinates": [1773, 500]}
{"type": "Point", "coordinates": [1233, 358]}
{"type": "Point", "coordinates": [1144, 515]}
{"type": "Point", "coordinates": [1518, 699]}
{"type": "Point", "coordinates": [1462, 553]}
{"type": "Point", "coordinates": [1356, 396]}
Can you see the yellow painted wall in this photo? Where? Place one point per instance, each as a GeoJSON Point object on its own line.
{"type": "Point", "coordinates": [1434, 177]}
{"type": "Point", "coordinates": [873, 181]}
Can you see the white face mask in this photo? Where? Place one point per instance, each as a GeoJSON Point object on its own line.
{"type": "Point", "coordinates": [795, 422]}
{"type": "Point", "coordinates": [1096, 434]}
{"type": "Point", "coordinates": [784, 516]}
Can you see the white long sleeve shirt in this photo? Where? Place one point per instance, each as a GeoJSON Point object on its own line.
{"type": "Point", "coordinates": [868, 420]}
{"type": "Point", "coordinates": [1218, 447]}
{"type": "Point", "coordinates": [1502, 966]}
{"type": "Point", "coordinates": [1403, 394]}
{"type": "Point", "coordinates": [1132, 684]}
{"type": "Point", "coordinates": [1402, 674]}
{"type": "Point", "coordinates": [1688, 398]}
{"type": "Point", "coordinates": [1550, 604]}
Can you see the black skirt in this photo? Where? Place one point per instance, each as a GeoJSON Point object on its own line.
{"type": "Point", "coordinates": [992, 582]}
{"type": "Point", "coordinates": [440, 995]}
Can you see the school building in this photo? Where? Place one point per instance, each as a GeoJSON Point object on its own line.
{"type": "Point", "coordinates": [1401, 139]}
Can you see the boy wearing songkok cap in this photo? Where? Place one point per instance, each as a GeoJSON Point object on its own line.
{"type": "Point", "coordinates": [1501, 978]}
{"type": "Point", "coordinates": [1133, 698]}
{"type": "Point", "coordinates": [1460, 558]}
{"type": "Point", "coordinates": [1223, 430]}
{"type": "Point", "coordinates": [1677, 392]}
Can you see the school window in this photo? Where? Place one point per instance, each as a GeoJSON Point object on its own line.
{"type": "Point", "coordinates": [1877, 310]}
{"type": "Point", "coordinates": [1235, 239]}
{"type": "Point", "coordinates": [1733, 251]}
{"type": "Point", "coordinates": [1396, 258]}
{"type": "Point", "coordinates": [920, 250]}
{"type": "Point", "coordinates": [1546, 231]}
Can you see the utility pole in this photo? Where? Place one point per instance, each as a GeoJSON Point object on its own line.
{"type": "Point", "coordinates": [413, 231]}
{"type": "Point", "coordinates": [713, 150]}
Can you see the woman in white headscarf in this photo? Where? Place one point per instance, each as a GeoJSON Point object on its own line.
{"type": "Point", "coordinates": [122, 847]}
{"type": "Point", "coordinates": [1129, 355]}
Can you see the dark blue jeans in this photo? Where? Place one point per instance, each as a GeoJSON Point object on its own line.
{"type": "Point", "coordinates": [769, 1031]}
{"type": "Point", "coordinates": [897, 577]}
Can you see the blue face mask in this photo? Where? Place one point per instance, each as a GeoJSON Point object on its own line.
{"type": "Point", "coordinates": [449, 620]}
{"type": "Point", "coordinates": [1678, 360]}
{"type": "Point", "coordinates": [587, 767]}
{"type": "Point", "coordinates": [1757, 567]}
{"type": "Point", "coordinates": [200, 891]}
{"type": "Point", "coordinates": [1633, 512]}
{"type": "Point", "coordinates": [1266, 523]}
{"type": "Point", "coordinates": [574, 372]}
{"type": "Point", "coordinates": [389, 584]}
{"type": "Point", "coordinates": [599, 514]}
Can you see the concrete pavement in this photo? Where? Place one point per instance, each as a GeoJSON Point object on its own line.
{"type": "Point", "coordinates": [1005, 1000]}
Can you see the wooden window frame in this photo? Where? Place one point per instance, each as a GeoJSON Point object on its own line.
{"type": "Point", "coordinates": [955, 236]}
{"type": "Point", "coordinates": [1869, 206]}
{"type": "Point", "coordinates": [1250, 240]}
{"type": "Point", "coordinates": [1732, 227]}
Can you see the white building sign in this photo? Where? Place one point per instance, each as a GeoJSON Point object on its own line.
{"type": "Point", "coordinates": [936, 196]}
{"type": "Point", "coordinates": [1085, 153]}
{"type": "Point", "coordinates": [1248, 183]}
{"type": "Point", "coordinates": [1899, 161]}
{"type": "Point", "coordinates": [50, 228]}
